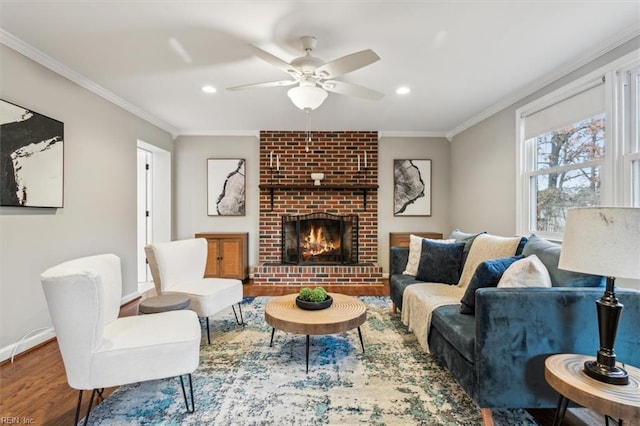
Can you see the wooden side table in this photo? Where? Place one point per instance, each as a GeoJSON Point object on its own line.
{"type": "Point", "coordinates": [564, 374]}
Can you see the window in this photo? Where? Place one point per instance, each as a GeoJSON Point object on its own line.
{"type": "Point", "coordinates": [566, 172]}
{"type": "Point", "coordinates": [578, 146]}
{"type": "Point", "coordinates": [635, 180]}
{"type": "Point", "coordinates": [632, 159]}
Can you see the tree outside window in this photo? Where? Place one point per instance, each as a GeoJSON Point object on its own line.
{"type": "Point", "coordinates": [567, 171]}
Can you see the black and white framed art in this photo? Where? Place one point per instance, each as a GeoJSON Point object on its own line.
{"type": "Point", "coordinates": [225, 187]}
{"type": "Point", "coordinates": [412, 187]}
{"type": "Point", "coordinates": [31, 158]}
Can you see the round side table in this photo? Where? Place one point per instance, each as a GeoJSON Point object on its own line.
{"type": "Point", "coordinates": [164, 303]}
{"type": "Point", "coordinates": [564, 374]}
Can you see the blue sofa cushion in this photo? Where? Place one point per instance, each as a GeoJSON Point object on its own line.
{"type": "Point", "coordinates": [459, 330]}
{"type": "Point", "coordinates": [397, 284]}
{"type": "Point", "coordinates": [440, 262]}
{"type": "Point", "coordinates": [487, 274]}
{"type": "Point", "coordinates": [549, 253]}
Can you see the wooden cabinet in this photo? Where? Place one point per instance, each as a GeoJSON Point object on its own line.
{"type": "Point", "coordinates": [228, 254]}
{"type": "Point", "coordinates": [401, 239]}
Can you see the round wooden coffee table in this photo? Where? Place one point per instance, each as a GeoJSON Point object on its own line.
{"type": "Point", "coordinates": [346, 313]}
{"type": "Point", "coordinates": [564, 373]}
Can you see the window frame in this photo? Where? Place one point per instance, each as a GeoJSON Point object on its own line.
{"type": "Point", "coordinates": [629, 105]}
{"type": "Point", "coordinates": [622, 94]}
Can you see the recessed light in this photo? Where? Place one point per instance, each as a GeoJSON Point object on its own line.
{"type": "Point", "coordinates": [209, 89]}
{"type": "Point", "coordinates": [403, 90]}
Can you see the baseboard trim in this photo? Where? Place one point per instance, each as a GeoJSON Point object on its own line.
{"type": "Point", "coordinates": [26, 344]}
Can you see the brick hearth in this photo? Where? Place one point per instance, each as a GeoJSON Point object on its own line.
{"type": "Point", "coordinates": [292, 192]}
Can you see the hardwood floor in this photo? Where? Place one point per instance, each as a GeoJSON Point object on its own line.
{"type": "Point", "coordinates": [33, 389]}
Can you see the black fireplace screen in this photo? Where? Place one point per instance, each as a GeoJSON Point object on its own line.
{"type": "Point", "coordinates": [319, 238]}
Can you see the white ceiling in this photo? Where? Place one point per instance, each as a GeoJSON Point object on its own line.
{"type": "Point", "coordinates": [460, 58]}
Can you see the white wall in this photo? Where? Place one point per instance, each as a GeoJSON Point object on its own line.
{"type": "Point", "coordinates": [438, 150]}
{"type": "Point", "coordinates": [483, 162]}
{"type": "Point", "coordinates": [190, 164]}
{"type": "Point", "coordinates": [482, 176]}
{"type": "Point", "coordinates": [99, 213]}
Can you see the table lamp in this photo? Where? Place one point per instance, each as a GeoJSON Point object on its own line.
{"type": "Point", "coordinates": [604, 241]}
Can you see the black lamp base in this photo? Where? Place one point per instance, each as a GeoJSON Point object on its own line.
{"type": "Point", "coordinates": [603, 373]}
{"type": "Point", "coordinates": [604, 368]}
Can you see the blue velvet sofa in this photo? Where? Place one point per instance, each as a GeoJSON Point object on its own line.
{"type": "Point", "coordinates": [497, 355]}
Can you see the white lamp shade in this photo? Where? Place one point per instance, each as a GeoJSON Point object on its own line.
{"type": "Point", "coordinates": [602, 241]}
{"type": "Point", "coordinates": [307, 97]}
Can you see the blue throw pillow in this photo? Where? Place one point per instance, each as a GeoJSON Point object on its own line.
{"type": "Point", "coordinates": [549, 253]}
{"type": "Point", "coordinates": [521, 244]}
{"type": "Point", "coordinates": [487, 274]}
{"type": "Point", "coordinates": [440, 262]}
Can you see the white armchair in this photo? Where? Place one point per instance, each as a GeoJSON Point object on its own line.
{"type": "Point", "coordinates": [101, 350]}
{"type": "Point", "coordinates": [179, 266]}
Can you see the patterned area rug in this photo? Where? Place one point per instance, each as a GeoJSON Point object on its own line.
{"type": "Point", "coordinates": [243, 381]}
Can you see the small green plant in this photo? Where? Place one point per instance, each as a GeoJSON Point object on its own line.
{"type": "Point", "coordinates": [318, 294]}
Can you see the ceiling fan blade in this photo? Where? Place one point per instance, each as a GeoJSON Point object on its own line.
{"type": "Point", "coordinates": [275, 61]}
{"type": "Point", "coordinates": [346, 64]}
{"type": "Point", "coordinates": [265, 84]}
{"type": "Point", "coordinates": [350, 89]}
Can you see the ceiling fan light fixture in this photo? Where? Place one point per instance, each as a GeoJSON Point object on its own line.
{"type": "Point", "coordinates": [307, 97]}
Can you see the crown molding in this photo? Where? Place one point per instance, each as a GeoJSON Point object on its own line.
{"type": "Point", "coordinates": [409, 134]}
{"type": "Point", "coordinates": [254, 133]}
{"type": "Point", "coordinates": [47, 61]}
{"type": "Point", "coordinates": [594, 53]}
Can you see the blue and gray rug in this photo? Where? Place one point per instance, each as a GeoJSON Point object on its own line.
{"type": "Point", "coordinates": [243, 381]}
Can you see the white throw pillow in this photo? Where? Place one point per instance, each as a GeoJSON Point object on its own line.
{"type": "Point", "coordinates": [415, 250]}
{"type": "Point", "coordinates": [527, 272]}
{"type": "Point", "coordinates": [486, 247]}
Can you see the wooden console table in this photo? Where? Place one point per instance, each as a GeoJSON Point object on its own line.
{"type": "Point", "coordinates": [564, 374]}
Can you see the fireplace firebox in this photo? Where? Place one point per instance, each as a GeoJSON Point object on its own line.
{"type": "Point", "coordinates": [319, 238]}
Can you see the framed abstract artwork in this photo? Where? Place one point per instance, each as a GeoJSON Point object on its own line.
{"type": "Point", "coordinates": [225, 187]}
{"type": "Point", "coordinates": [412, 187]}
{"type": "Point", "coordinates": [31, 158]}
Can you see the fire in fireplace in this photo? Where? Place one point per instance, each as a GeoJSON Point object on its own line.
{"type": "Point", "coordinates": [319, 238]}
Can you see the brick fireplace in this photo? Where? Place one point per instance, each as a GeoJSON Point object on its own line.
{"type": "Point", "coordinates": [348, 188]}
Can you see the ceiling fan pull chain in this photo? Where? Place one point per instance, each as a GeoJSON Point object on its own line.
{"type": "Point", "coordinates": [307, 113]}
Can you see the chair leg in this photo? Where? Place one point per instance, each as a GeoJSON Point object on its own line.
{"type": "Point", "coordinates": [241, 322]}
{"type": "Point", "coordinates": [208, 333]}
{"type": "Point", "coordinates": [78, 407]}
{"type": "Point", "coordinates": [184, 393]}
{"type": "Point", "coordinates": [86, 417]}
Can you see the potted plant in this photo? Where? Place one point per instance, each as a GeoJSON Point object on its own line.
{"type": "Point", "coordinates": [313, 300]}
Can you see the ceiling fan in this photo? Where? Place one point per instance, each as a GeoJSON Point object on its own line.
{"type": "Point", "coordinates": [315, 77]}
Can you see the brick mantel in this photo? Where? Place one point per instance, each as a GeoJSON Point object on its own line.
{"type": "Point", "coordinates": [342, 192]}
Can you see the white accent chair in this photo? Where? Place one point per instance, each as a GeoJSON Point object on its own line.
{"type": "Point", "coordinates": [179, 267]}
{"type": "Point", "coordinates": [99, 349]}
